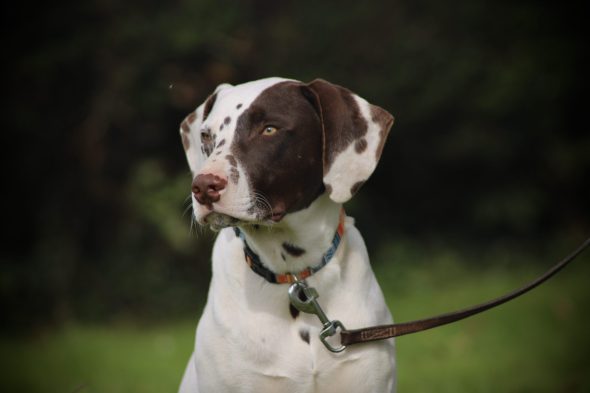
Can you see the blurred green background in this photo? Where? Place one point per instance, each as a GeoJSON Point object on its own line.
{"type": "Point", "coordinates": [483, 184]}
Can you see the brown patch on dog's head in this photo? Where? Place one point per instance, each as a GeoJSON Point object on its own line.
{"type": "Point", "coordinates": [285, 143]}
{"type": "Point", "coordinates": [191, 118]}
{"type": "Point", "coordinates": [283, 165]}
{"type": "Point", "coordinates": [354, 133]}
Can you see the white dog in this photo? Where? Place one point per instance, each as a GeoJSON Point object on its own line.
{"type": "Point", "coordinates": [275, 159]}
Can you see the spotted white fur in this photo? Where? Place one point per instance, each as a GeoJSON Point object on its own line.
{"type": "Point", "coordinates": [351, 167]}
{"type": "Point", "coordinates": [247, 340]}
{"type": "Point", "coordinates": [231, 101]}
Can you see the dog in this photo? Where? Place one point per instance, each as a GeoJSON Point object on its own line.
{"type": "Point", "coordinates": [273, 161]}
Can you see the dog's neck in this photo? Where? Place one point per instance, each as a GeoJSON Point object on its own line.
{"type": "Point", "coordinates": [299, 240]}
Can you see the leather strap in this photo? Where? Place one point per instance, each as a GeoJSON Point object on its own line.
{"type": "Point", "coordinates": [381, 332]}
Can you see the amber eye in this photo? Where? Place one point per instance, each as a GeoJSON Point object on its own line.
{"type": "Point", "coordinates": [269, 130]}
{"type": "Point", "coordinates": [205, 137]}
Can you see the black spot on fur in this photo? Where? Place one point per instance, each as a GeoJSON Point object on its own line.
{"type": "Point", "coordinates": [294, 312]}
{"type": "Point", "coordinates": [293, 249]}
{"type": "Point", "coordinates": [234, 175]}
{"type": "Point", "coordinates": [304, 334]}
{"type": "Point", "coordinates": [227, 120]}
{"type": "Point", "coordinates": [238, 106]}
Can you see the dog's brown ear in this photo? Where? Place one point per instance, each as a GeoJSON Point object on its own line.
{"type": "Point", "coordinates": [354, 133]}
{"type": "Point", "coordinates": [190, 130]}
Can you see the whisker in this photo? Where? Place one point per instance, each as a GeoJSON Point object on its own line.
{"type": "Point", "coordinates": [186, 209]}
{"type": "Point", "coordinates": [262, 202]}
{"type": "Point", "coordinates": [256, 200]}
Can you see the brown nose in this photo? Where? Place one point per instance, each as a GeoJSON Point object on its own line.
{"type": "Point", "coordinates": [206, 188]}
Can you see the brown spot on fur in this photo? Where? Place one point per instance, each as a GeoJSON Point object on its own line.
{"type": "Point", "coordinates": [191, 117]}
{"type": "Point", "coordinates": [293, 249]}
{"type": "Point", "coordinates": [238, 106]}
{"type": "Point", "coordinates": [360, 145]}
{"type": "Point", "coordinates": [385, 121]}
{"type": "Point", "coordinates": [234, 175]}
{"type": "Point", "coordinates": [186, 143]}
{"type": "Point", "coordinates": [232, 161]}
{"type": "Point", "coordinates": [227, 120]}
{"type": "Point", "coordinates": [304, 334]}
{"type": "Point", "coordinates": [209, 105]}
{"type": "Point", "coordinates": [355, 187]}
{"type": "Point", "coordinates": [221, 143]}
{"type": "Point", "coordinates": [185, 127]}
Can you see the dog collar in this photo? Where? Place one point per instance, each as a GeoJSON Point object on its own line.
{"type": "Point", "coordinates": [253, 260]}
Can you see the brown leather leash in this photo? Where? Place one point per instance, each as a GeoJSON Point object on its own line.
{"type": "Point", "coordinates": [374, 333]}
{"type": "Point", "coordinates": [304, 298]}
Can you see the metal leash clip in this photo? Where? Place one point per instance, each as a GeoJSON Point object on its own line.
{"type": "Point", "coordinates": [304, 299]}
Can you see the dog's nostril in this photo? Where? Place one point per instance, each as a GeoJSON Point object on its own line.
{"type": "Point", "coordinates": [196, 189]}
{"type": "Point", "coordinates": [206, 188]}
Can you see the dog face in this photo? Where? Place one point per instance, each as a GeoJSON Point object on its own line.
{"type": "Point", "coordinates": [267, 148]}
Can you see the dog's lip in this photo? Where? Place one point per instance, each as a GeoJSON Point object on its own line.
{"type": "Point", "coordinates": [217, 220]}
{"type": "Point", "coordinates": [277, 216]}
{"type": "Point", "coordinates": [213, 214]}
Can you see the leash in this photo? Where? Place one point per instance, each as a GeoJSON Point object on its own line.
{"type": "Point", "coordinates": [304, 298]}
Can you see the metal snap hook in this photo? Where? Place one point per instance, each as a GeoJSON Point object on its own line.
{"type": "Point", "coordinates": [304, 299]}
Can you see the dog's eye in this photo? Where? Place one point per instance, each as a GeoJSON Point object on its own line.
{"type": "Point", "coordinates": [269, 130]}
{"type": "Point", "coordinates": [205, 137]}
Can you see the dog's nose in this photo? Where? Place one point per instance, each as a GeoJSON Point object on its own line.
{"type": "Point", "coordinates": [206, 188]}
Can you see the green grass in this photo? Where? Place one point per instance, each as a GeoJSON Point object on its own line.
{"type": "Point", "coordinates": [538, 343]}
{"type": "Point", "coordinates": [93, 359]}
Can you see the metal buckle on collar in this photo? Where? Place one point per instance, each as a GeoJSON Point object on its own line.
{"type": "Point", "coordinates": [304, 299]}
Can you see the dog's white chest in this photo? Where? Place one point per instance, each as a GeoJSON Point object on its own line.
{"type": "Point", "coordinates": [248, 340]}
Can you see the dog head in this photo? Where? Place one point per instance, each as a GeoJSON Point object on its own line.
{"type": "Point", "coordinates": [267, 148]}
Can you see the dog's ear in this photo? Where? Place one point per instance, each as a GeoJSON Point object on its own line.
{"type": "Point", "coordinates": [190, 131]}
{"type": "Point", "coordinates": [354, 133]}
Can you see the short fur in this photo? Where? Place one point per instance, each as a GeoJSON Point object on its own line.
{"type": "Point", "coordinates": [277, 158]}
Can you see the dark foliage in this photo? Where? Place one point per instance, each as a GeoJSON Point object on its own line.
{"type": "Point", "coordinates": [490, 142]}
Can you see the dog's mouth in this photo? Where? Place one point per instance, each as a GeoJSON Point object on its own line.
{"type": "Point", "coordinates": [218, 221]}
